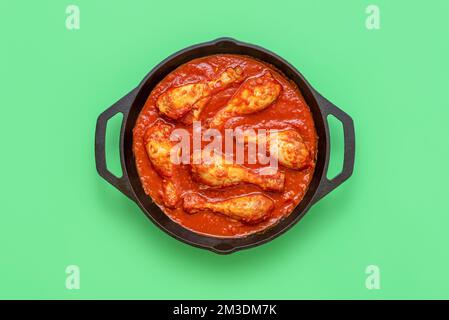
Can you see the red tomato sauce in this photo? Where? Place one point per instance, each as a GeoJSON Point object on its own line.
{"type": "Point", "coordinates": [288, 111]}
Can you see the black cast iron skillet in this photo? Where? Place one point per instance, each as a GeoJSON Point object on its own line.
{"type": "Point", "coordinates": [131, 104]}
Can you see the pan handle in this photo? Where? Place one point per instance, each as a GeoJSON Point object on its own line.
{"type": "Point", "coordinates": [121, 106]}
{"type": "Point", "coordinates": [327, 185]}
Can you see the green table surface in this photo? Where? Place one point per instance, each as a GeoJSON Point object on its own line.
{"type": "Point", "coordinates": [56, 211]}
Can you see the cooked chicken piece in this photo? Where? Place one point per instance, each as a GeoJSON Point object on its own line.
{"type": "Point", "coordinates": [158, 146]}
{"type": "Point", "coordinates": [216, 171]}
{"type": "Point", "coordinates": [249, 209]}
{"type": "Point", "coordinates": [253, 95]}
{"type": "Point", "coordinates": [289, 147]}
{"type": "Point", "coordinates": [170, 193]}
{"type": "Point", "coordinates": [177, 102]}
{"type": "Point", "coordinates": [194, 114]}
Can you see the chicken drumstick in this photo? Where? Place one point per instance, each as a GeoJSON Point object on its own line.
{"type": "Point", "coordinates": [216, 171]}
{"type": "Point", "coordinates": [253, 95]}
{"type": "Point", "coordinates": [249, 209]}
{"type": "Point", "coordinates": [158, 147]}
{"type": "Point", "coordinates": [177, 102]}
{"type": "Point", "coordinates": [291, 149]}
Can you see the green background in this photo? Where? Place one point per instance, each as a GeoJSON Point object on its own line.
{"type": "Point", "coordinates": [56, 211]}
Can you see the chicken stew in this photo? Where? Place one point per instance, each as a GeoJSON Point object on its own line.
{"type": "Point", "coordinates": [222, 197]}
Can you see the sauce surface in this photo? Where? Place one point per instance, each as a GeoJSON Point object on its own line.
{"type": "Point", "coordinates": [289, 111]}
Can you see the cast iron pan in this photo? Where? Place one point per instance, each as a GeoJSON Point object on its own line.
{"type": "Point", "coordinates": [131, 104]}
